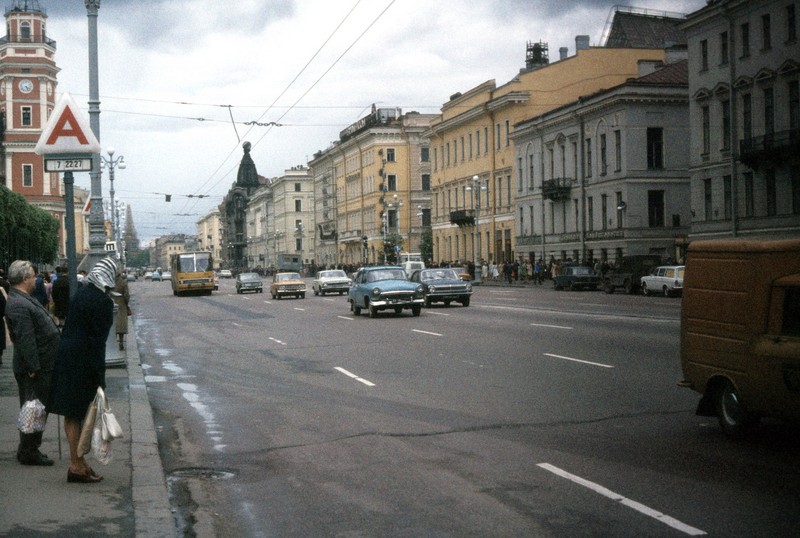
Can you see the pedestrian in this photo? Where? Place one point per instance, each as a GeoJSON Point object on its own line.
{"type": "Point", "coordinates": [36, 339]}
{"type": "Point", "coordinates": [538, 269]}
{"type": "Point", "coordinates": [39, 291]}
{"type": "Point", "coordinates": [3, 300]}
{"type": "Point", "coordinates": [123, 309]}
{"type": "Point", "coordinates": [61, 296]}
{"type": "Point", "coordinates": [80, 367]}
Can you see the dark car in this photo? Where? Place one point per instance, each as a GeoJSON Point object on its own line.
{"type": "Point", "coordinates": [384, 288]}
{"type": "Point", "coordinates": [576, 277]}
{"type": "Point", "coordinates": [249, 282]}
{"type": "Point", "coordinates": [442, 285]}
{"type": "Point", "coordinates": [628, 272]}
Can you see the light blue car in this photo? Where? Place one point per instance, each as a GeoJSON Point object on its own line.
{"type": "Point", "coordinates": [384, 288]}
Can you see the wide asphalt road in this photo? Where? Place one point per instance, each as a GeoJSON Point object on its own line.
{"type": "Point", "coordinates": [530, 413]}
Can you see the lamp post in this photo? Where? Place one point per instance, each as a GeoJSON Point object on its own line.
{"type": "Point", "coordinates": [477, 192]}
{"type": "Point", "coordinates": [111, 163]}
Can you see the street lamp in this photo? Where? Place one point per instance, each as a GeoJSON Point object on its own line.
{"type": "Point", "coordinates": [112, 164]}
{"type": "Point", "coordinates": [477, 193]}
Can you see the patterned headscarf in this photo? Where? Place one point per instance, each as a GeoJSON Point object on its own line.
{"type": "Point", "coordinates": [103, 274]}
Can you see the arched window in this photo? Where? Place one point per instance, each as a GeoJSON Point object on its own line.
{"type": "Point", "coordinates": [25, 30]}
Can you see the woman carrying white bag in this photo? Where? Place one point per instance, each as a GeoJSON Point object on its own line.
{"type": "Point", "coordinates": [80, 366]}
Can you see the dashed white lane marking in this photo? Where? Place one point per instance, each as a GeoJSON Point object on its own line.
{"type": "Point", "coordinates": [354, 376]}
{"type": "Point", "coordinates": [436, 313]}
{"type": "Point", "coordinates": [277, 341]}
{"type": "Point", "coordinates": [425, 332]}
{"type": "Point", "coordinates": [300, 309]}
{"type": "Point", "coordinates": [639, 507]}
{"type": "Point", "coordinates": [238, 325]}
{"type": "Point", "coordinates": [550, 326]}
{"type": "Point", "coordinates": [345, 317]}
{"type": "Point", "coordinates": [601, 365]}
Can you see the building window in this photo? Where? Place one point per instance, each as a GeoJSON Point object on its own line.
{"type": "Point", "coordinates": [391, 182]}
{"type": "Point", "coordinates": [426, 182]}
{"type": "Point", "coordinates": [588, 157]}
{"type": "Point", "coordinates": [620, 208]}
{"type": "Point", "coordinates": [497, 136]}
{"type": "Point", "coordinates": [485, 140]}
{"type": "Point", "coordinates": [390, 158]}
{"type": "Point", "coordinates": [463, 150]}
{"type": "Point", "coordinates": [426, 217]}
{"type": "Point", "coordinates": [794, 105]}
{"type": "Point", "coordinates": [655, 148]}
{"type": "Point", "coordinates": [297, 187]}
{"type": "Point", "coordinates": [477, 142]}
{"type": "Point", "coordinates": [727, 196]}
{"type": "Point", "coordinates": [575, 160]}
{"type": "Point", "coordinates": [603, 211]}
{"type": "Point", "coordinates": [723, 48]}
{"type": "Point", "coordinates": [589, 213]}
{"type": "Point", "coordinates": [447, 152]}
{"type": "Point", "coordinates": [772, 200]}
{"type": "Point", "coordinates": [617, 151]}
{"type": "Point", "coordinates": [769, 111]}
{"type": "Point", "coordinates": [726, 125]}
{"type": "Point", "coordinates": [508, 133]}
{"type": "Point", "coordinates": [745, 40]}
{"type": "Point", "coordinates": [747, 116]}
{"type": "Point", "coordinates": [435, 159]}
{"type": "Point", "coordinates": [25, 30]}
{"type": "Point", "coordinates": [704, 55]}
{"type": "Point", "coordinates": [706, 131]}
{"type": "Point", "coordinates": [766, 32]}
{"type": "Point", "coordinates": [791, 24]}
{"type": "Point", "coordinates": [749, 200]}
{"type": "Point", "coordinates": [707, 199]}
{"type": "Point", "coordinates": [552, 163]}
{"type": "Point", "coordinates": [424, 154]}
{"type": "Point", "coordinates": [470, 145]}
{"type": "Point", "coordinates": [655, 209]}
{"type": "Point", "coordinates": [520, 174]}
{"type": "Point", "coordinates": [27, 175]}
{"type": "Point", "coordinates": [27, 116]}
{"type": "Point", "coordinates": [603, 155]}
{"type": "Point", "coordinates": [298, 206]}
{"type": "Point", "coordinates": [298, 244]}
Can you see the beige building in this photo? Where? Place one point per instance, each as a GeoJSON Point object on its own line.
{"type": "Point", "coordinates": [472, 137]}
{"type": "Point", "coordinates": [283, 218]}
{"type": "Point", "coordinates": [209, 236]}
{"type": "Point", "coordinates": [744, 68]}
{"type": "Point", "coordinates": [372, 185]}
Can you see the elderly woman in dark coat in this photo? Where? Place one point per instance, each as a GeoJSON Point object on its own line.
{"type": "Point", "coordinates": [80, 367]}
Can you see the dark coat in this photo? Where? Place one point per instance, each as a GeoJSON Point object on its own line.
{"type": "Point", "coordinates": [81, 363]}
{"type": "Point", "coordinates": [61, 296]}
{"type": "Point", "coordinates": [33, 332]}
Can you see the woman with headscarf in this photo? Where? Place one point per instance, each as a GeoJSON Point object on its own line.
{"type": "Point", "coordinates": [80, 366]}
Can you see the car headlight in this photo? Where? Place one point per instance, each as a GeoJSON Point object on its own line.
{"type": "Point", "coordinates": [418, 291]}
{"type": "Point", "coordinates": [469, 286]}
{"type": "Point", "coordinates": [376, 292]}
{"type": "Point", "coordinates": [431, 289]}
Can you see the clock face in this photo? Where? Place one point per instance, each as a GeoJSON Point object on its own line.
{"type": "Point", "coordinates": [25, 85]}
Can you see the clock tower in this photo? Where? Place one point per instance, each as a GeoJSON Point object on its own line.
{"type": "Point", "coordinates": [27, 97]}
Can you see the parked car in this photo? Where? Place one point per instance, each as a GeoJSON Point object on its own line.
{"type": "Point", "coordinates": [628, 272]}
{"type": "Point", "coordinates": [166, 275]}
{"type": "Point", "coordinates": [331, 281]}
{"type": "Point", "coordinates": [225, 273]}
{"type": "Point", "coordinates": [665, 279]}
{"type": "Point", "coordinates": [284, 284]}
{"type": "Point", "coordinates": [442, 285]}
{"type": "Point", "coordinates": [130, 277]}
{"type": "Point", "coordinates": [249, 282]}
{"type": "Point", "coordinates": [148, 275]}
{"type": "Point", "coordinates": [155, 276]}
{"type": "Point", "coordinates": [576, 277]}
{"type": "Point", "coordinates": [384, 288]}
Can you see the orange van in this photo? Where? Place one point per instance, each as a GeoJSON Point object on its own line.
{"type": "Point", "coordinates": [740, 330]}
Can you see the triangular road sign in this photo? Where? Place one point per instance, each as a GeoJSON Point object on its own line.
{"type": "Point", "coordinates": [67, 131]}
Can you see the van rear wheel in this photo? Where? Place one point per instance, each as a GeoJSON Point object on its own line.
{"type": "Point", "coordinates": [734, 419]}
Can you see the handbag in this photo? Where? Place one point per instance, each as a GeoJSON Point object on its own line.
{"type": "Point", "coordinates": [32, 416]}
{"type": "Point", "coordinates": [85, 441]}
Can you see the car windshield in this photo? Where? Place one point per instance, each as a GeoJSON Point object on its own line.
{"type": "Point", "coordinates": [580, 270]}
{"type": "Point", "coordinates": [680, 272]}
{"type": "Point", "coordinates": [249, 277]}
{"type": "Point", "coordinates": [332, 274]}
{"type": "Point", "coordinates": [439, 274]}
{"type": "Point", "coordinates": [288, 276]}
{"type": "Point", "coordinates": [386, 274]}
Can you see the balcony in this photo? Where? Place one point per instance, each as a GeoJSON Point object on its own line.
{"type": "Point", "coordinates": [557, 189]}
{"type": "Point", "coordinates": [769, 149]}
{"type": "Point", "coordinates": [462, 217]}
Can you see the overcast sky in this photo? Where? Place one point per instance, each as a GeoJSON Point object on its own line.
{"type": "Point", "coordinates": [179, 79]}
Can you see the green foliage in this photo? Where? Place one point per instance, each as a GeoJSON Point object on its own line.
{"type": "Point", "coordinates": [140, 258]}
{"type": "Point", "coordinates": [426, 245]}
{"type": "Point", "coordinates": [389, 244]}
{"type": "Point", "coordinates": [26, 231]}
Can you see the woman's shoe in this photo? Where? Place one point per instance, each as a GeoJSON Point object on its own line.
{"type": "Point", "coordinates": [89, 477]}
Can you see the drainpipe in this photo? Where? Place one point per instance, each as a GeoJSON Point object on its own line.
{"type": "Point", "coordinates": [734, 125]}
{"type": "Point", "coordinates": [582, 172]}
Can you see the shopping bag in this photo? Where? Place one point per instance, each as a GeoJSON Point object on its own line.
{"type": "Point", "coordinates": [32, 416]}
{"type": "Point", "coordinates": [85, 441]}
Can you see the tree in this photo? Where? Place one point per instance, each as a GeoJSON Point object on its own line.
{"type": "Point", "coordinates": [27, 232]}
{"type": "Point", "coordinates": [426, 245]}
{"type": "Point", "coordinates": [389, 247]}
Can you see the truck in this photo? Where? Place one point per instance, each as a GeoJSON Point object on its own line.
{"type": "Point", "coordinates": [289, 262]}
{"type": "Point", "coordinates": [628, 272]}
{"type": "Point", "coordinates": [740, 330]}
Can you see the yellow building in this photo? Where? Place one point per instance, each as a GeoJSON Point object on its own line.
{"type": "Point", "coordinates": [471, 138]}
{"type": "Point", "coordinates": [376, 178]}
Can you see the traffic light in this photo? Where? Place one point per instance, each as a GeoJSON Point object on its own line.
{"type": "Point", "coordinates": [365, 240]}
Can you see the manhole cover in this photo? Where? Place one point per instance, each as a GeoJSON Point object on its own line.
{"type": "Point", "coordinates": [204, 473]}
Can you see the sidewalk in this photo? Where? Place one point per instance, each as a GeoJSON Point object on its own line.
{"type": "Point", "coordinates": [131, 500]}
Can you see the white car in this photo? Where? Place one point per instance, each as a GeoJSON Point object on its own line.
{"type": "Point", "coordinates": [665, 279]}
{"type": "Point", "coordinates": [225, 273]}
{"type": "Point", "coordinates": [331, 281]}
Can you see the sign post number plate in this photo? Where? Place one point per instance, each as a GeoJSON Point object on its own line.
{"type": "Point", "coordinates": [80, 164]}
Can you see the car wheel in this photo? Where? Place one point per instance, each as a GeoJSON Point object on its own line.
{"type": "Point", "coordinates": [556, 286]}
{"type": "Point", "coordinates": [373, 311]}
{"type": "Point", "coordinates": [465, 302]}
{"type": "Point", "coordinates": [734, 419]}
{"type": "Point", "coordinates": [447, 303]}
{"type": "Point", "coordinates": [645, 290]}
{"type": "Point", "coordinates": [608, 287]}
{"type": "Point", "coordinates": [416, 310]}
{"type": "Point", "coordinates": [302, 295]}
{"type": "Point", "coordinates": [316, 292]}
{"type": "Point", "coordinates": [573, 287]}
{"type": "Point", "coordinates": [427, 302]}
{"type": "Point", "coordinates": [630, 289]}
{"type": "Point", "coordinates": [667, 292]}
{"type": "Point", "coordinates": [398, 310]}
{"type": "Point", "coordinates": [356, 309]}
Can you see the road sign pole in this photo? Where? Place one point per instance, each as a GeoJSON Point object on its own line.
{"type": "Point", "coordinates": [69, 224]}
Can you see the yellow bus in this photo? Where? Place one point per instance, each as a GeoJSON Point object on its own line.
{"type": "Point", "coordinates": [192, 272]}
